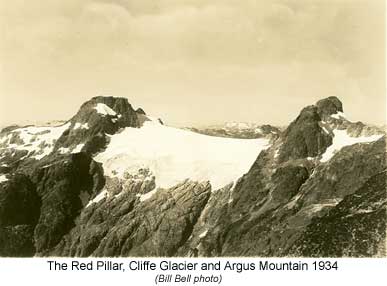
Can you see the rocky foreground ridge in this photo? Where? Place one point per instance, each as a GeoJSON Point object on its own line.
{"type": "Point", "coordinates": [318, 188]}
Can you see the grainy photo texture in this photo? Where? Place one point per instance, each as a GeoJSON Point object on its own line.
{"type": "Point", "coordinates": [192, 128]}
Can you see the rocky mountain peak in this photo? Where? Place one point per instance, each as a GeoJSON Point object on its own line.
{"type": "Point", "coordinates": [329, 106]}
{"type": "Point", "coordinates": [304, 137]}
{"type": "Point", "coordinates": [108, 107]}
{"type": "Point", "coordinates": [97, 117]}
{"type": "Point", "coordinates": [140, 111]}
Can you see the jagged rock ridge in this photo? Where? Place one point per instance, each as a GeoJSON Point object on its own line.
{"type": "Point", "coordinates": [315, 189]}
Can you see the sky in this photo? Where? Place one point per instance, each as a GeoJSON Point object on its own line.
{"type": "Point", "coordinates": [192, 62]}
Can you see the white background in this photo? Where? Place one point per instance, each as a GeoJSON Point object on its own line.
{"type": "Point", "coordinates": [35, 271]}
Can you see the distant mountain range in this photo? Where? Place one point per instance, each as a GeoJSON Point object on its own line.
{"type": "Point", "coordinates": [114, 181]}
{"type": "Point", "coordinates": [242, 130]}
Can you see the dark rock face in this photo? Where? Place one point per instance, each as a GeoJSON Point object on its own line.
{"type": "Point", "coordinates": [89, 127]}
{"type": "Point", "coordinates": [271, 209]}
{"type": "Point", "coordinates": [211, 229]}
{"type": "Point", "coordinates": [271, 231]}
{"type": "Point", "coordinates": [19, 213]}
{"type": "Point", "coordinates": [290, 202]}
{"type": "Point", "coordinates": [126, 226]}
{"type": "Point", "coordinates": [125, 114]}
{"type": "Point", "coordinates": [359, 218]}
{"type": "Point", "coordinates": [36, 211]}
{"type": "Point", "coordinates": [287, 181]}
{"type": "Point", "coordinates": [17, 241]}
{"type": "Point", "coordinates": [329, 106]}
{"type": "Point", "coordinates": [304, 137]}
{"type": "Point", "coordinates": [346, 171]}
{"type": "Point", "coordinates": [19, 202]}
{"type": "Point", "coordinates": [61, 187]}
{"type": "Point", "coordinates": [140, 111]}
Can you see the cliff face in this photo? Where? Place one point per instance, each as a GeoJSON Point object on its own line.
{"type": "Point", "coordinates": [315, 189]}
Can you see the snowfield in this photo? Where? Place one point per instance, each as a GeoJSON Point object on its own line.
{"type": "Point", "coordinates": [36, 140]}
{"type": "Point", "coordinates": [341, 139]}
{"type": "Point", "coordinates": [174, 155]}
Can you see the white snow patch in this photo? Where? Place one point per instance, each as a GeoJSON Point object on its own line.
{"type": "Point", "coordinates": [325, 130]}
{"type": "Point", "coordinates": [293, 202]}
{"type": "Point", "coordinates": [147, 196]}
{"type": "Point", "coordinates": [63, 150]}
{"type": "Point", "coordinates": [339, 115]}
{"type": "Point", "coordinates": [104, 109]}
{"type": "Point", "coordinates": [78, 148]}
{"type": "Point", "coordinates": [318, 207]}
{"type": "Point", "coordinates": [39, 156]}
{"type": "Point", "coordinates": [364, 211]}
{"type": "Point", "coordinates": [3, 178]}
{"type": "Point", "coordinates": [48, 165]}
{"type": "Point", "coordinates": [230, 200]}
{"type": "Point", "coordinates": [341, 139]}
{"type": "Point", "coordinates": [98, 198]}
{"type": "Point", "coordinates": [174, 155]}
{"type": "Point", "coordinates": [203, 234]}
{"type": "Point", "coordinates": [78, 125]}
{"type": "Point", "coordinates": [119, 194]}
{"type": "Point", "coordinates": [5, 139]}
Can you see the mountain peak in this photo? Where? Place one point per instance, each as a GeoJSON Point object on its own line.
{"type": "Point", "coordinates": [329, 106]}
{"type": "Point", "coordinates": [120, 105]}
{"type": "Point", "coordinates": [305, 137]}
{"type": "Point", "coordinates": [97, 117]}
{"type": "Point", "coordinates": [140, 111]}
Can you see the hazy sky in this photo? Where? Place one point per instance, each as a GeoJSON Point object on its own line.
{"type": "Point", "coordinates": [192, 61]}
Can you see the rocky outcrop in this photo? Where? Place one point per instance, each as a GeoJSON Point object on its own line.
{"type": "Point", "coordinates": [95, 119]}
{"type": "Point", "coordinates": [305, 137]}
{"type": "Point", "coordinates": [271, 212]}
{"type": "Point", "coordinates": [128, 226]}
{"type": "Point", "coordinates": [329, 106]}
{"type": "Point", "coordinates": [356, 227]}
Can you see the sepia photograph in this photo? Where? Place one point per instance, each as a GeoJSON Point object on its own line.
{"type": "Point", "coordinates": [193, 129]}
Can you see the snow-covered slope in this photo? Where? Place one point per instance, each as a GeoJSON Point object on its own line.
{"type": "Point", "coordinates": [174, 155]}
{"type": "Point", "coordinates": [38, 141]}
{"type": "Point", "coordinates": [341, 139]}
